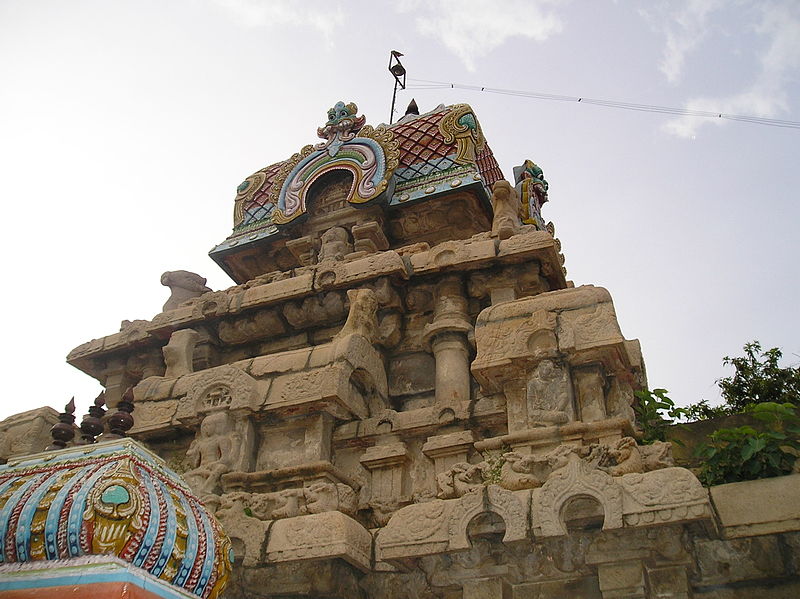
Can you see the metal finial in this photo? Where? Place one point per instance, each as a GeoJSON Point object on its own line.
{"type": "Point", "coordinates": [92, 423]}
{"type": "Point", "coordinates": [63, 431]}
{"type": "Point", "coordinates": [121, 421]}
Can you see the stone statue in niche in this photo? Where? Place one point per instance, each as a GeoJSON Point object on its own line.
{"type": "Point", "coordinates": [506, 211]}
{"type": "Point", "coordinates": [335, 244]}
{"type": "Point", "coordinates": [549, 395]}
{"type": "Point", "coordinates": [213, 452]}
{"type": "Point", "coordinates": [590, 386]}
{"type": "Point", "coordinates": [184, 285]}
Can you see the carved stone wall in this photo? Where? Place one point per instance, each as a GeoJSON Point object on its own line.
{"type": "Point", "coordinates": [405, 397]}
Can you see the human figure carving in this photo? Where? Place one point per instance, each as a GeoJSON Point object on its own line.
{"type": "Point", "coordinates": [184, 285]}
{"type": "Point", "coordinates": [549, 394]}
{"type": "Point", "coordinates": [212, 452]}
{"type": "Point", "coordinates": [335, 244]}
{"type": "Point", "coordinates": [506, 213]}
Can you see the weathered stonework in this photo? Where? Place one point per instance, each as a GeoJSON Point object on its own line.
{"type": "Point", "coordinates": [403, 396]}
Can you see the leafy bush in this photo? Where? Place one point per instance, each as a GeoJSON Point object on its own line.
{"type": "Point", "coordinates": [758, 379]}
{"type": "Point", "coordinates": [744, 453]}
{"type": "Point", "coordinates": [651, 410]}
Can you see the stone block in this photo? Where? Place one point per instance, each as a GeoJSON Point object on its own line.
{"type": "Point", "coordinates": [27, 432]}
{"type": "Point", "coordinates": [331, 274]}
{"type": "Point", "coordinates": [758, 507]}
{"type": "Point", "coordinates": [622, 579]}
{"type": "Point", "coordinates": [464, 254]}
{"type": "Point", "coordinates": [153, 417]}
{"type": "Point", "coordinates": [670, 582]}
{"type": "Point", "coordinates": [320, 536]}
{"type": "Point", "coordinates": [290, 361]}
{"type": "Point", "coordinates": [580, 588]}
{"type": "Point", "coordinates": [278, 291]}
{"type": "Point", "coordinates": [487, 588]}
{"type": "Point", "coordinates": [723, 562]}
{"type": "Point", "coordinates": [412, 374]}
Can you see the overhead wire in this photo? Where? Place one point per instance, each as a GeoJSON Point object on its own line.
{"type": "Point", "coordinates": [426, 84]}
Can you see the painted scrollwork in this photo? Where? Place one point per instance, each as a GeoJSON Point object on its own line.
{"type": "Point", "coordinates": [462, 127]}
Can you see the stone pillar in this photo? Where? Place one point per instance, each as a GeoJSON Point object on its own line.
{"type": "Point", "coordinates": [116, 381]}
{"type": "Point", "coordinates": [622, 580]}
{"type": "Point", "coordinates": [448, 450]}
{"type": "Point", "coordinates": [447, 336]}
{"type": "Point", "coordinates": [487, 588]}
{"type": "Point", "coordinates": [385, 462]}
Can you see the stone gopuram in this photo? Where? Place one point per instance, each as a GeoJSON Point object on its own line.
{"type": "Point", "coordinates": [404, 397]}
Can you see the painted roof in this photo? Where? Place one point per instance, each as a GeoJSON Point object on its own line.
{"type": "Point", "coordinates": [111, 498]}
{"type": "Point", "coordinates": [435, 153]}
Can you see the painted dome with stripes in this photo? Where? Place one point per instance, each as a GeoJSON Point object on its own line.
{"type": "Point", "coordinates": [111, 498]}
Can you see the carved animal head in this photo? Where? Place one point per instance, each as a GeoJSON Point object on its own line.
{"type": "Point", "coordinates": [183, 279]}
{"type": "Point", "coordinates": [502, 192]}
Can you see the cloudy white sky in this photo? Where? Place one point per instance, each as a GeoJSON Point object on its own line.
{"type": "Point", "coordinates": [125, 127]}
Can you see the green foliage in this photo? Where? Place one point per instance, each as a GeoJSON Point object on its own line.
{"type": "Point", "coordinates": [759, 378]}
{"type": "Point", "coordinates": [494, 461]}
{"type": "Point", "coordinates": [744, 453]}
{"type": "Point", "coordinates": [702, 410]}
{"type": "Point", "coordinates": [651, 410]}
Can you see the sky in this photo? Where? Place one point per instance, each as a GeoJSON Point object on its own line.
{"type": "Point", "coordinates": [125, 127]}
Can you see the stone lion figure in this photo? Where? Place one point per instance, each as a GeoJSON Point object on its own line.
{"type": "Point", "coordinates": [184, 285]}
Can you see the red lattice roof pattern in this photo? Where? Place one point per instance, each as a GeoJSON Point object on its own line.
{"type": "Point", "coordinates": [260, 197]}
{"type": "Point", "coordinates": [488, 167]}
{"type": "Point", "coordinates": [420, 139]}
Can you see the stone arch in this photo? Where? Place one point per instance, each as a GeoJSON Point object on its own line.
{"type": "Point", "coordinates": [225, 387]}
{"type": "Point", "coordinates": [577, 480]}
{"type": "Point", "coordinates": [494, 499]}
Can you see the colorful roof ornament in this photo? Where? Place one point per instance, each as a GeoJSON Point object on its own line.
{"type": "Point", "coordinates": [416, 158]}
{"type": "Point", "coordinates": [111, 498]}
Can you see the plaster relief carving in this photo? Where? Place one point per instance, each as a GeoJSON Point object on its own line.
{"type": "Point", "coordinates": [460, 479]}
{"type": "Point", "coordinates": [224, 387]}
{"type": "Point", "coordinates": [257, 325]}
{"type": "Point", "coordinates": [334, 244]}
{"type": "Point", "coordinates": [512, 508]}
{"type": "Point", "coordinates": [577, 479]}
{"type": "Point", "coordinates": [323, 309]}
{"type": "Point", "coordinates": [217, 449]}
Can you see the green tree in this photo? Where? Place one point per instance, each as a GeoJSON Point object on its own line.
{"type": "Point", "coordinates": [759, 378]}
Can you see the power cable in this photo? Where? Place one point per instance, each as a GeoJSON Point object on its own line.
{"type": "Point", "coordinates": [425, 84]}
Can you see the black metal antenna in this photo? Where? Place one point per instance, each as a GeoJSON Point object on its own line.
{"type": "Point", "coordinates": [398, 71]}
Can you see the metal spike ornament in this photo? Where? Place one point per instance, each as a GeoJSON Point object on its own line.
{"type": "Point", "coordinates": [63, 431]}
{"type": "Point", "coordinates": [92, 423]}
{"type": "Point", "coordinates": [121, 421]}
